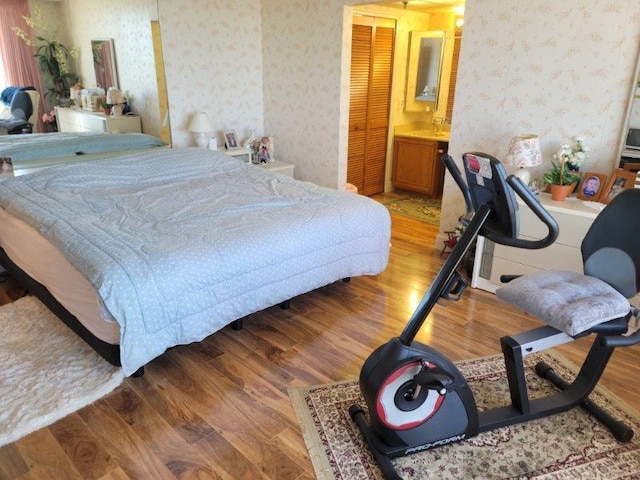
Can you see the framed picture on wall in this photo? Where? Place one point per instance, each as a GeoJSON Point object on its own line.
{"type": "Point", "coordinates": [231, 140]}
{"type": "Point", "coordinates": [592, 186]}
{"type": "Point", "coordinates": [620, 180]}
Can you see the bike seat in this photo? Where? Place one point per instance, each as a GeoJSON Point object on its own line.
{"type": "Point", "coordinates": [571, 302]}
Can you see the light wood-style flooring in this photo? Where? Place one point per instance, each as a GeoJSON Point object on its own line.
{"type": "Point", "coordinates": [220, 408]}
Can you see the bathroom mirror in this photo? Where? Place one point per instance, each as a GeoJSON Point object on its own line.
{"type": "Point", "coordinates": [104, 63]}
{"type": "Point", "coordinates": [424, 70]}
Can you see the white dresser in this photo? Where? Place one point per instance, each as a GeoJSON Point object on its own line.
{"type": "Point", "coordinates": [574, 218]}
{"type": "Point", "coordinates": [278, 167]}
{"type": "Point", "coordinates": [73, 120]}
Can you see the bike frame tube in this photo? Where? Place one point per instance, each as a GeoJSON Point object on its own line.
{"type": "Point", "coordinates": [446, 273]}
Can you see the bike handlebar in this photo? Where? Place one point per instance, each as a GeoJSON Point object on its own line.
{"type": "Point", "coordinates": [450, 164]}
{"type": "Point", "coordinates": [524, 193]}
{"type": "Point", "coordinates": [539, 211]}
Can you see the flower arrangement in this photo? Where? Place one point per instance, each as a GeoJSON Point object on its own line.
{"type": "Point", "coordinates": [52, 57]}
{"type": "Point", "coordinates": [50, 120]}
{"type": "Point", "coordinates": [569, 160]}
{"type": "Point", "coordinates": [574, 155]}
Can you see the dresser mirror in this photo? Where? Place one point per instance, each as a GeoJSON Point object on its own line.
{"type": "Point", "coordinates": [104, 63]}
{"type": "Point", "coordinates": [423, 71]}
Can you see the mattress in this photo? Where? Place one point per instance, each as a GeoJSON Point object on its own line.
{"type": "Point", "coordinates": [179, 243]}
{"type": "Point", "coordinates": [43, 262]}
{"type": "Point", "coordinates": [33, 152]}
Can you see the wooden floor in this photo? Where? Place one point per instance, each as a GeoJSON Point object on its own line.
{"type": "Point", "coordinates": [220, 408]}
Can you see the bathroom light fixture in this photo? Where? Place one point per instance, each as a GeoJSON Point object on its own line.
{"type": "Point", "coordinates": [405, 2]}
{"type": "Point", "coordinates": [524, 152]}
{"type": "Point", "coordinates": [200, 126]}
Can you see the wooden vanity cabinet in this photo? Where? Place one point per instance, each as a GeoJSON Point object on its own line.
{"type": "Point", "coordinates": [417, 166]}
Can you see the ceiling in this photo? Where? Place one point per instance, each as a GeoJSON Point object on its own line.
{"type": "Point", "coordinates": [423, 5]}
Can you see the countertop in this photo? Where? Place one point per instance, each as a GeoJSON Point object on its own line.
{"type": "Point", "coordinates": [426, 134]}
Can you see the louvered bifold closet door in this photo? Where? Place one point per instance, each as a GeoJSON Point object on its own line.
{"type": "Point", "coordinates": [371, 73]}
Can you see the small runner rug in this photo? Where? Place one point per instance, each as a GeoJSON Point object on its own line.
{"type": "Point", "coordinates": [46, 370]}
{"type": "Point", "coordinates": [419, 208]}
{"type": "Point", "coordinates": [567, 445]}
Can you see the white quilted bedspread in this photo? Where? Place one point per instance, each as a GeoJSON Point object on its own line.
{"type": "Point", "coordinates": [178, 243]}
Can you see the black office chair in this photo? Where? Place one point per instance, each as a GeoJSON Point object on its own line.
{"type": "Point", "coordinates": [21, 110]}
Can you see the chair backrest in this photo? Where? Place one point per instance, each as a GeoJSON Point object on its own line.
{"type": "Point", "coordinates": [35, 105]}
{"type": "Point", "coordinates": [610, 249]}
{"type": "Point", "coordinates": [21, 107]}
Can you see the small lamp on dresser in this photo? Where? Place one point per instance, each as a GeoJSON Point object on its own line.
{"type": "Point", "coordinates": [200, 126]}
{"type": "Point", "coordinates": [524, 152]}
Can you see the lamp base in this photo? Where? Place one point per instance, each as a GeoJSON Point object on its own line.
{"type": "Point", "coordinates": [201, 140]}
{"type": "Point", "coordinates": [524, 175]}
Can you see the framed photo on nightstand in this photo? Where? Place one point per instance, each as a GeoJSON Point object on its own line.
{"type": "Point", "coordinates": [592, 186]}
{"type": "Point", "coordinates": [620, 180]}
{"type": "Point", "coordinates": [231, 140]}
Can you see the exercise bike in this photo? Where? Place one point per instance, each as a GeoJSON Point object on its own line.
{"type": "Point", "coordinates": [417, 399]}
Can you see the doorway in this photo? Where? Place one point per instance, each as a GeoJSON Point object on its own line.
{"type": "Point", "coordinates": [446, 17]}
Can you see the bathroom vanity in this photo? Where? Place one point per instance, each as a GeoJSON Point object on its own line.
{"type": "Point", "coordinates": [416, 161]}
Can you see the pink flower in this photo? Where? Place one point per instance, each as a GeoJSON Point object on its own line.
{"type": "Point", "coordinates": [49, 117]}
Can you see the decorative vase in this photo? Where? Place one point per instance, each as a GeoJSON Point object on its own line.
{"type": "Point", "coordinates": [560, 192]}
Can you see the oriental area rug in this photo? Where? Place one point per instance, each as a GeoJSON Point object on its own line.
{"type": "Point", "coordinates": [568, 445]}
{"type": "Point", "coordinates": [46, 370]}
{"type": "Point", "coordinates": [422, 209]}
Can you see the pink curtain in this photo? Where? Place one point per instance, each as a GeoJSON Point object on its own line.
{"type": "Point", "coordinates": [20, 66]}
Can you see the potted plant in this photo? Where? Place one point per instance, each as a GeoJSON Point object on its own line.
{"type": "Point", "coordinates": [106, 107]}
{"type": "Point", "coordinates": [564, 174]}
{"type": "Point", "coordinates": [52, 58]}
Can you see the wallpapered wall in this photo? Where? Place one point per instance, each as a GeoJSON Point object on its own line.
{"type": "Point", "coordinates": [558, 69]}
{"type": "Point", "coordinates": [128, 24]}
{"type": "Point", "coordinates": [213, 62]}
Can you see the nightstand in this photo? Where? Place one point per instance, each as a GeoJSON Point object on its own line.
{"type": "Point", "coordinates": [243, 154]}
{"type": "Point", "coordinates": [278, 167]}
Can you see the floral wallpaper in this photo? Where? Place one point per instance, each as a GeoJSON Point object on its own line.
{"type": "Point", "coordinates": [557, 69]}
{"type": "Point", "coordinates": [213, 55]}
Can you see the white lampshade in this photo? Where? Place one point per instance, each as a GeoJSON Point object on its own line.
{"type": "Point", "coordinates": [524, 151]}
{"type": "Point", "coordinates": [200, 125]}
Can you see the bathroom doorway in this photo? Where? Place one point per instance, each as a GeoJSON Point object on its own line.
{"type": "Point", "coordinates": [416, 16]}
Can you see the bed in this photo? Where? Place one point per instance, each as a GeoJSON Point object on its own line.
{"type": "Point", "coordinates": [30, 153]}
{"type": "Point", "coordinates": [166, 247]}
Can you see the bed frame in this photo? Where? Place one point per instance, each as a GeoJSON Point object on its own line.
{"type": "Point", "coordinates": [108, 351]}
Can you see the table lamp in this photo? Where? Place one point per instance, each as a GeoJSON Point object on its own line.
{"type": "Point", "coordinates": [200, 126]}
{"type": "Point", "coordinates": [524, 151]}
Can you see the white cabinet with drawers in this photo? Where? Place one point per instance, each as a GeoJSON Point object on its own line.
{"type": "Point", "coordinates": [574, 218]}
{"type": "Point", "coordinates": [73, 120]}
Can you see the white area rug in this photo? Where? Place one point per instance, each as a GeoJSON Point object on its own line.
{"type": "Point", "coordinates": [46, 370]}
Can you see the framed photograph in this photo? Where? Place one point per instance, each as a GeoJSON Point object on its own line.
{"type": "Point", "coordinates": [231, 140]}
{"type": "Point", "coordinates": [591, 186]}
{"type": "Point", "coordinates": [620, 180]}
